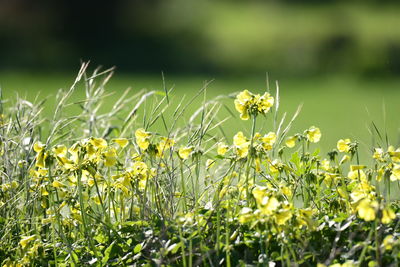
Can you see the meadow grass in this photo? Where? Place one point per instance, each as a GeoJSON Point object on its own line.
{"type": "Point", "coordinates": [146, 178]}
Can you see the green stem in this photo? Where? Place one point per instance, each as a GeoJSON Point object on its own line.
{"type": "Point", "coordinates": [250, 156]}
{"type": "Point", "coordinates": [183, 188]}
{"type": "Point", "coordinates": [361, 258]}
{"type": "Point", "coordinates": [83, 213]}
{"type": "Point", "coordinates": [182, 248]}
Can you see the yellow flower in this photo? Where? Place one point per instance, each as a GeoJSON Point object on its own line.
{"type": "Point", "coordinates": [379, 174]}
{"type": "Point", "coordinates": [275, 166]}
{"type": "Point", "coordinates": [41, 155]}
{"type": "Point", "coordinates": [378, 153]}
{"type": "Point", "coordinates": [325, 165]}
{"type": "Point", "coordinates": [388, 242]}
{"type": "Point", "coordinates": [41, 159]}
{"type": "Point", "coordinates": [268, 140]}
{"type": "Point", "coordinates": [43, 191]}
{"type": "Point", "coordinates": [264, 103]}
{"type": "Point", "coordinates": [286, 191]}
{"type": "Point", "coordinates": [245, 215]}
{"type": "Point", "coordinates": [122, 142]}
{"type": "Point", "coordinates": [26, 240]}
{"type": "Point", "coordinates": [222, 148]}
{"type": "Point", "coordinates": [269, 205]}
{"type": "Point", "coordinates": [388, 215]}
{"type": "Point", "coordinates": [164, 145]}
{"type": "Point", "coordinates": [247, 104]}
{"type": "Point", "coordinates": [110, 157]}
{"type": "Point", "coordinates": [242, 104]}
{"type": "Point", "coordinates": [57, 184]}
{"type": "Point", "coordinates": [259, 193]}
{"type": "Point", "coordinates": [366, 209]}
{"type": "Point", "coordinates": [357, 174]}
{"type": "Point", "coordinates": [142, 138]}
{"type": "Point", "coordinates": [38, 146]}
{"type": "Point", "coordinates": [74, 151]}
{"type": "Point", "coordinates": [394, 154]}
{"type": "Point", "coordinates": [185, 152]}
{"type": "Point", "coordinates": [345, 159]}
{"type": "Point", "coordinates": [139, 168]}
{"type": "Point", "coordinates": [343, 145]}
{"type": "Point", "coordinates": [304, 218]}
{"type": "Point", "coordinates": [395, 172]}
{"type": "Point", "coordinates": [241, 144]}
{"type": "Point", "coordinates": [313, 134]}
{"type": "Point", "coordinates": [291, 141]}
{"type": "Point", "coordinates": [60, 151]}
{"type": "Point", "coordinates": [282, 217]}
{"type": "Point", "coordinates": [98, 143]}
{"type": "Point", "coordinates": [357, 167]}
{"type": "Point", "coordinates": [91, 182]}
{"type": "Point", "coordinates": [362, 190]}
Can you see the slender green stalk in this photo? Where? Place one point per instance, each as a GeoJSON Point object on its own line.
{"type": "Point", "coordinates": [183, 247]}
{"type": "Point", "coordinates": [250, 156]}
{"type": "Point", "coordinates": [83, 213]}
{"type": "Point", "coordinates": [183, 187]}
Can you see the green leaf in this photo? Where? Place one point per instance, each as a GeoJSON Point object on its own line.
{"type": "Point", "coordinates": [174, 248]}
{"type": "Point", "coordinates": [108, 253]}
{"type": "Point", "coordinates": [137, 248]}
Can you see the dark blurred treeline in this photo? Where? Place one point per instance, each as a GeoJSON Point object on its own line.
{"type": "Point", "coordinates": [203, 36]}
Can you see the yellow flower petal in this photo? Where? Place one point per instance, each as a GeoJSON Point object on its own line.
{"type": "Point", "coordinates": [98, 142]}
{"type": "Point", "coordinates": [388, 215]}
{"type": "Point", "coordinates": [122, 142]}
{"type": "Point", "coordinates": [38, 147]}
{"type": "Point", "coordinates": [222, 149]}
{"type": "Point", "coordinates": [110, 157]}
{"type": "Point", "coordinates": [282, 217]}
{"type": "Point", "coordinates": [366, 210]}
{"type": "Point", "coordinates": [185, 152]}
{"type": "Point", "coordinates": [26, 240]}
{"type": "Point", "coordinates": [314, 134]}
{"type": "Point", "coordinates": [291, 141]}
{"type": "Point", "coordinates": [343, 145]}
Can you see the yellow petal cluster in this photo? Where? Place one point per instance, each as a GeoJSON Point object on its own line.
{"type": "Point", "coordinates": [367, 209]}
{"type": "Point", "coordinates": [268, 140]}
{"type": "Point", "coordinates": [314, 134]}
{"type": "Point", "coordinates": [222, 148]}
{"type": "Point", "coordinates": [394, 154]}
{"type": "Point", "coordinates": [291, 141]}
{"type": "Point", "coordinates": [248, 104]}
{"type": "Point", "coordinates": [388, 215]}
{"type": "Point", "coordinates": [25, 240]}
{"type": "Point", "coordinates": [142, 138]}
{"type": "Point", "coordinates": [165, 144]}
{"type": "Point", "coordinates": [388, 242]}
{"type": "Point", "coordinates": [241, 144]}
{"type": "Point", "coordinates": [343, 145]}
{"type": "Point", "coordinates": [122, 142]}
{"type": "Point", "coordinates": [395, 175]}
{"type": "Point", "coordinates": [184, 152]}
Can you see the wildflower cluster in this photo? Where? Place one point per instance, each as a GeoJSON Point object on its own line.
{"type": "Point", "coordinates": [135, 196]}
{"type": "Point", "coordinates": [248, 104]}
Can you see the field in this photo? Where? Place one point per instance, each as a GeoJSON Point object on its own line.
{"type": "Point", "coordinates": [94, 175]}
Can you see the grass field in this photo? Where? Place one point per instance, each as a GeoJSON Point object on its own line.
{"type": "Point", "coordinates": [342, 106]}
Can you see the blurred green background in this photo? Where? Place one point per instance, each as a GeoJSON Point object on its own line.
{"type": "Point", "coordinates": [341, 59]}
